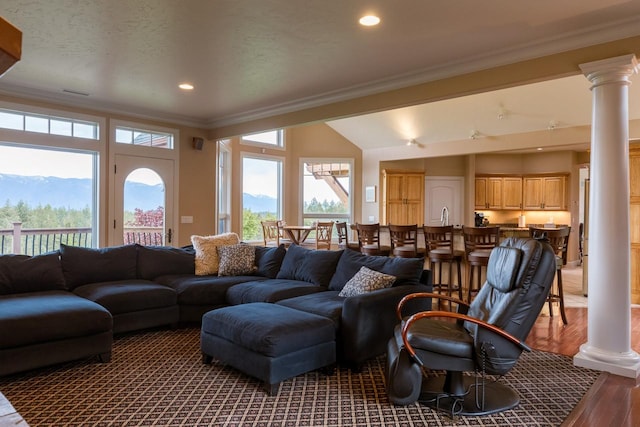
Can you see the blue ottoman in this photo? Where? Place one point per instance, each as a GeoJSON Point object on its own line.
{"type": "Point", "coordinates": [268, 341]}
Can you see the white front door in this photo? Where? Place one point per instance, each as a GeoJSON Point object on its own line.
{"type": "Point", "coordinates": [440, 192]}
{"type": "Point", "coordinates": [143, 201]}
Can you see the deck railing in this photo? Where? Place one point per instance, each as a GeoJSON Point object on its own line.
{"type": "Point", "coordinates": [37, 241]}
{"type": "Point", "coordinates": [145, 236]}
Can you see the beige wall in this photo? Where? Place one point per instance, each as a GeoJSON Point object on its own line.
{"type": "Point", "coordinates": [320, 141]}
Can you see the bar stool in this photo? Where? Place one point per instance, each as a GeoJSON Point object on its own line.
{"type": "Point", "coordinates": [343, 237]}
{"type": "Point", "coordinates": [558, 238]}
{"type": "Point", "coordinates": [478, 243]}
{"type": "Point", "coordinates": [438, 241]}
{"type": "Point", "coordinates": [369, 240]}
{"type": "Point", "coordinates": [404, 241]}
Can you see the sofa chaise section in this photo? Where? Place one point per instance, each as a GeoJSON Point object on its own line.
{"type": "Point", "coordinates": [41, 323]}
{"type": "Point", "coordinates": [364, 322]}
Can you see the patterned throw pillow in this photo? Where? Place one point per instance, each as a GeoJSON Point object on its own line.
{"type": "Point", "coordinates": [366, 280]}
{"type": "Point", "coordinates": [237, 260]}
{"type": "Point", "coordinates": [206, 247]}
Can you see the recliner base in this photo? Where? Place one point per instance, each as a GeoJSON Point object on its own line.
{"type": "Point", "coordinates": [497, 397]}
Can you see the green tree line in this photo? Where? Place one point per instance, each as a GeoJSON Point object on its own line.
{"type": "Point", "coordinates": [252, 229]}
{"type": "Point", "coordinates": [43, 216]}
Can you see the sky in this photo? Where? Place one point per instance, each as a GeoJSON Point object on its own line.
{"type": "Point", "coordinates": [259, 176]}
{"type": "Point", "coordinates": [42, 162]}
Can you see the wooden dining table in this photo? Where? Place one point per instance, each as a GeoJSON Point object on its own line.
{"type": "Point", "coordinates": [298, 233]}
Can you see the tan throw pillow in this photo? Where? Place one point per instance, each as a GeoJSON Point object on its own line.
{"type": "Point", "coordinates": [237, 260]}
{"type": "Point", "coordinates": [365, 281]}
{"type": "Point", "coordinates": [206, 247]}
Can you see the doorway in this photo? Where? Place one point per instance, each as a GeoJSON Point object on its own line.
{"type": "Point", "coordinates": [441, 192]}
{"type": "Point", "coordinates": [143, 201]}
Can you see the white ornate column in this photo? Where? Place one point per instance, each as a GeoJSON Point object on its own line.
{"type": "Point", "coordinates": [608, 346]}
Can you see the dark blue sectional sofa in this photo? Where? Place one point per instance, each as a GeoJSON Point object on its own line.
{"type": "Point", "coordinates": [67, 305]}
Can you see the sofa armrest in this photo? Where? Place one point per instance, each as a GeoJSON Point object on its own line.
{"type": "Point", "coordinates": [368, 321]}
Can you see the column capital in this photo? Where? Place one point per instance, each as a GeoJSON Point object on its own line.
{"type": "Point", "coordinates": [610, 70]}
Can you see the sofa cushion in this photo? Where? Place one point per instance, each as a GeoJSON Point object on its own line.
{"type": "Point", "coordinates": [23, 273]}
{"type": "Point", "coordinates": [365, 281]}
{"type": "Point", "coordinates": [203, 290]}
{"type": "Point", "coordinates": [269, 260]}
{"type": "Point", "coordinates": [406, 270]}
{"type": "Point", "coordinates": [155, 261]}
{"type": "Point", "coordinates": [236, 260]}
{"type": "Point", "coordinates": [270, 290]}
{"type": "Point", "coordinates": [206, 247]}
{"type": "Point", "coordinates": [127, 296]}
{"type": "Point", "coordinates": [88, 265]}
{"type": "Point", "coordinates": [268, 329]}
{"type": "Point", "coordinates": [327, 304]}
{"type": "Point", "coordinates": [309, 265]}
{"type": "Point", "coordinates": [49, 316]}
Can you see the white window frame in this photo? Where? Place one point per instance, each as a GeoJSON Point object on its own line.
{"type": "Point", "coordinates": [49, 115]}
{"type": "Point", "coordinates": [98, 147]}
{"type": "Point", "coordinates": [351, 162]}
{"type": "Point", "coordinates": [281, 137]}
{"type": "Point", "coordinates": [223, 178]}
{"type": "Point", "coordinates": [281, 195]}
{"type": "Point", "coordinates": [150, 152]}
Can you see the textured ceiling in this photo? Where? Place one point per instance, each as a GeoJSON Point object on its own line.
{"type": "Point", "coordinates": [252, 58]}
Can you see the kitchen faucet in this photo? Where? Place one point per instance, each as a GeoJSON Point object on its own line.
{"type": "Point", "coordinates": [444, 216]}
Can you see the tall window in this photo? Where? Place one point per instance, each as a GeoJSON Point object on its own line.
{"type": "Point", "coordinates": [48, 198]}
{"type": "Point", "coordinates": [327, 189]}
{"type": "Point", "coordinates": [224, 187]}
{"type": "Point", "coordinates": [261, 194]}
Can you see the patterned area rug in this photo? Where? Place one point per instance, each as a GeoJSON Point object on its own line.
{"type": "Point", "coordinates": [157, 378]}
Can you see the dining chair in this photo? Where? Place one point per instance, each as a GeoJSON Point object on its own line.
{"type": "Point", "coordinates": [478, 244]}
{"type": "Point", "coordinates": [342, 229]}
{"type": "Point", "coordinates": [282, 235]}
{"type": "Point", "coordinates": [558, 238]}
{"type": "Point", "coordinates": [438, 241]}
{"type": "Point", "coordinates": [404, 241]}
{"type": "Point", "coordinates": [369, 240]}
{"type": "Point", "coordinates": [324, 232]}
{"type": "Point", "coordinates": [270, 233]}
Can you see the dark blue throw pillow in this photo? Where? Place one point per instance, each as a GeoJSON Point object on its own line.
{"type": "Point", "coordinates": [269, 260]}
{"type": "Point", "coordinates": [23, 273]}
{"type": "Point", "coordinates": [309, 265]}
{"type": "Point", "coordinates": [87, 265]}
{"type": "Point", "coordinates": [406, 270]}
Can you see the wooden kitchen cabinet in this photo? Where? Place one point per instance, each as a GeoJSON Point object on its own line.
{"type": "Point", "coordinates": [512, 192]}
{"type": "Point", "coordinates": [402, 197]}
{"type": "Point", "coordinates": [488, 192]}
{"type": "Point", "coordinates": [498, 192]}
{"type": "Point", "coordinates": [546, 193]}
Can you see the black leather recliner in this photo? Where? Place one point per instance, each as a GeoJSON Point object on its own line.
{"type": "Point", "coordinates": [485, 337]}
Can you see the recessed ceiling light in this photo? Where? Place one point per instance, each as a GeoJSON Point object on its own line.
{"type": "Point", "coordinates": [185, 86]}
{"type": "Point", "coordinates": [369, 20]}
{"type": "Point", "coordinates": [539, 148]}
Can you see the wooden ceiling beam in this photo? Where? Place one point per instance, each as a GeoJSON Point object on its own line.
{"type": "Point", "coordinates": [10, 45]}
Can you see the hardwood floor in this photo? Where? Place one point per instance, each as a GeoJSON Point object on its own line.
{"type": "Point", "coordinates": [613, 400]}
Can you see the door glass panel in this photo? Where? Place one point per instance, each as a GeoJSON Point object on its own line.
{"type": "Point", "coordinates": [144, 210]}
